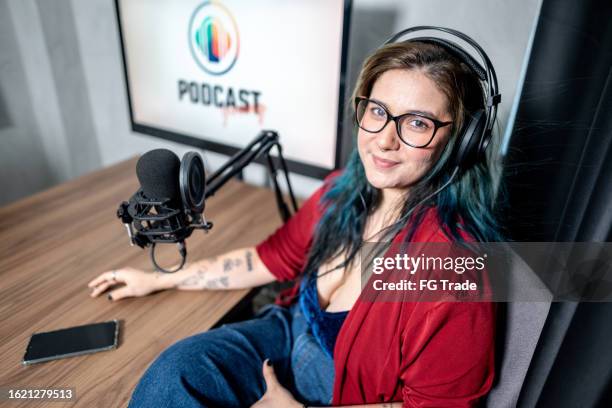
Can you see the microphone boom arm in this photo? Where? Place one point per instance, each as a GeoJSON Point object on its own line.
{"type": "Point", "coordinates": [261, 145]}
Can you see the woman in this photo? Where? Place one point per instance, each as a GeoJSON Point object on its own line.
{"type": "Point", "coordinates": [397, 186]}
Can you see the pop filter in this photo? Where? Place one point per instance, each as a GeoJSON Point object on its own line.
{"type": "Point", "coordinates": [192, 182]}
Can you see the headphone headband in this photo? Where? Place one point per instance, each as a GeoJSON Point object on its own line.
{"type": "Point", "coordinates": [490, 77]}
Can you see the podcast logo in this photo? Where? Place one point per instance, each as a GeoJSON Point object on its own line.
{"type": "Point", "coordinates": [213, 38]}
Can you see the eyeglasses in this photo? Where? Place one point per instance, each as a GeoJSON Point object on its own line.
{"type": "Point", "coordinates": [414, 129]}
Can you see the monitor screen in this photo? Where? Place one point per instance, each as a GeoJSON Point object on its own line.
{"type": "Point", "coordinates": [214, 73]}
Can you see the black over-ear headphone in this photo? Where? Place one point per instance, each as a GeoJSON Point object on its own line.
{"type": "Point", "coordinates": [475, 135]}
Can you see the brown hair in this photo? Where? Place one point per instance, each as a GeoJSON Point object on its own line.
{"type": "Point", "coordinates": [453, 77]}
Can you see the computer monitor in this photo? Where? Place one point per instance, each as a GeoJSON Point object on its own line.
{"type": "Point", "coordinates": [212, 74]}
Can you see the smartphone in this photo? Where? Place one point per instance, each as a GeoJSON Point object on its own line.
{"type": "Point", "coordinates": [70, 342]}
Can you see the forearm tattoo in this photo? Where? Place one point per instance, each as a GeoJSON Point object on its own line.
{"type": "Point", "coordinates": [249, 261]}
{"type": "Point", "coordinates": [229, 264]}
{"type": "Point", "coordinates": [200, 279]}
{"type": "Point", "coordinates": [217, 283]}
{"type": "Point", "coordinates": [194, 281]}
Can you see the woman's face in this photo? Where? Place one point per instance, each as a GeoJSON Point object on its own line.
{"type": "Point", "coordinates": [390, 163]}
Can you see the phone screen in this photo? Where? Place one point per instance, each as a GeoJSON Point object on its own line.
{"type": "Point", "coordinates": [71, 342]}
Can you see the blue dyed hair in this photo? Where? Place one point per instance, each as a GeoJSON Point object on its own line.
{"type": "Point", "coordinates": [467, 203]}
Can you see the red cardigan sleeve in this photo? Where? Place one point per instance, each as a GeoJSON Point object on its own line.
{"type": "Point", "coordinates": [448, 354]}
{"type": "Point", "coordinates": [285, 251]}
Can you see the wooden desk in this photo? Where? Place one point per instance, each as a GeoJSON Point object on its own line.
{"type": "Point", "coordinates": [53, 243]}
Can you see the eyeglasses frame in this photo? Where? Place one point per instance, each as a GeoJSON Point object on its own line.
{"type": "Point", "coordinates": [437, 123]}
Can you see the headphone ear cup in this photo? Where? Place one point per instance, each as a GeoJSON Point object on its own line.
{"type": "Point", "coordinates": [486, 139]}
{"type": "Point", "coordinates": [470, 144]}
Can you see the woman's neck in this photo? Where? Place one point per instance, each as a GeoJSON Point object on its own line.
{"type": "Point", "coordinates": [386, 212]}
{"type": "Point", "coordinates": [391, 202]}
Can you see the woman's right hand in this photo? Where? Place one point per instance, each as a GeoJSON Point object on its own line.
{"type": "Point", "coordinates": [136, 283]}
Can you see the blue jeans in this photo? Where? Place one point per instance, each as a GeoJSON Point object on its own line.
{"type": "Point", "coordinates": [223, 367]}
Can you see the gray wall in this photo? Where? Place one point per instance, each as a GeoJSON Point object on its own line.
{"type": "Point", "coordinates": [63, 109]}
{"type": "Point", "coordinates": [19, 132]}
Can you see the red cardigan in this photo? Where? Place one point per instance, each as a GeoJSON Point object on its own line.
{"type": "Point", "coordinates": [426, 354]}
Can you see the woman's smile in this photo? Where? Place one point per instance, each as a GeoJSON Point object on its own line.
{"type": "Point", "coordinates": [382, 163]}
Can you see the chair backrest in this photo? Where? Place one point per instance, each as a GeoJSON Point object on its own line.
{"type": "Point", "coordinates": [521, 324]}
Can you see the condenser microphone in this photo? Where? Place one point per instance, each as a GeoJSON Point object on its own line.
{"type": "Point", "coordinates": [158, 173]}
{"type": "Point", "coordinates": [169, 204]}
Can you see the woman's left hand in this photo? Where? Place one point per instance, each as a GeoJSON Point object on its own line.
{"type": "Point", "coordinates": [276, 395]}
